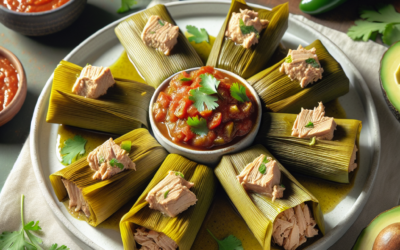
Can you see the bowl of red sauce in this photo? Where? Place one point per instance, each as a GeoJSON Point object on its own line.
{"type": "Point", "coordinates": [39, 17]}
{"type": "Point", "coordinates": [12, 85]}
{"type": "Point", "coordinates": [205, 113]}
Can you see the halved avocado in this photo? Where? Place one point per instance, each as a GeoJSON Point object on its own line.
{"type": "Point", "coordinates": [390, 78]}
{"type": "Point", "coordinates": [385, 226]}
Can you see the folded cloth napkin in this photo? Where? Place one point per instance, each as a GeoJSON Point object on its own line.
{"type": "Point", "coordinates": [364, 55]}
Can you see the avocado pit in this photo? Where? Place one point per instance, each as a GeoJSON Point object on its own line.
{"type": "Point", "coordinates": [388, 238]}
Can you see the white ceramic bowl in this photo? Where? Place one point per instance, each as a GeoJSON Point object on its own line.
{"type": "Point", "coordinates": [211, 156]}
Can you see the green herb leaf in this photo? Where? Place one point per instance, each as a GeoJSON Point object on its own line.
{"type": "Point", "coordinates": [209, 84]}
{"type": "Point", "coordinates": [55, 247]}
{"type": "Point", "coordinates": [185, 79]}
{"type": "Point", "coordinates": [32, 226]}
{"type": "Point", "coordinates": [166, 194]}
{"type": "Point", "coordinates": [312, 62]}
{"type": "Point", "coordinates": [247, 29]}
{"type": "Point", "coordinates": [197, 126]}
{"type": "Point", "coordinates": [363, 30]}
{"type": "Point", "coordinates": [101, 161]}
{"type": "Point", "coordinates": [282, 186]}
{"type": "Point", "coordinates": [262, 169]}
{"type": "Point", "coordinates": [265, 161]}
{"type": "Point", "coordinates": [179, 174]}
{"type": "Point", "coordinates": [288, 59]}
{"type": "Point", "coordinates": [72, 148]}
{"type": "Point", "coordinates": [312, 142]}
{"type": "Point", "coordinates": [200, 99]}
{"type": "Point", "coordinates": [385, 14]}
{"type": "Point", "coordinates": [391, 34]}
{"type": "Point", "coordinates": [160, 22]}
{"type": "Point", "coordinates": [309, 125]}
{"type": "Point", "coordinates": [239, 92]}
{"type": "Point", "coordinates": [114, 163]}
{"type": "Point", "coordinates": [198, 35]}
{"type": "Point", "coordinates": [229, 243]}
{"type": "Point", "coordinates": [126, 145]}
{"type": "Point", "coordinates": [126, 5]}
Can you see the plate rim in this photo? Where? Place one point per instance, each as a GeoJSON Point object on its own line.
{"type": "Point", "coordinates": [328, 240]}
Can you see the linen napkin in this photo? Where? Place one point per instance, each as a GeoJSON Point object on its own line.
{"type": "Point", "coordinates": [364, 55]}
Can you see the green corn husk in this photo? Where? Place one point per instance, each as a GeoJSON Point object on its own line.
{"type": "Point", "coordinates": [326, 159]}
{"type": "Point", "coordinates": [121, 110]}
{"type": "Point", "coordinates": [106, 197]}
{"type": "Point", "coordinates": [257, 210]}
{"type": "Point", "coordinates": [152, 64]}
{"type": "Point", "coordinates": [184, 227]}
{"type": "Point", "coordinates": [225, 54]}
{"type": "Point", "coordinates": [280, 94]}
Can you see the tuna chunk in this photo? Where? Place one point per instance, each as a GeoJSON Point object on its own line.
{"type": "Point", "coordinates": [93, 82]}
{"type": "Point", "coordinates": [353, 163]}
{"type": "Point", "coordinates": [310, 123]}
{"type": "Point", "coordinates": [292, 226]}
{"type": "Point", "coordinates": [160, 34]}
{"type": "Point", "coordinates": [75, 197]}
{"type": "Point", "coordinates": [252, 179]}
{"type": "Point", "coordinates": [302, 65]}
{"type": "Point", "coordinates": [249, 18]}
{"type": "Point", "coordinates": [171, 196]}
{"type": "Point", "coordinates": [152, 240]}
{"type": "Point", "coordinates": [109, 159]}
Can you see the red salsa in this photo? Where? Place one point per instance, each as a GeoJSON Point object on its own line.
{"type": "Point", "coordinates": [200, 110]}
{"type": "Point", "coordinates": [30, 6]}
{"type": "Point", "coordinates": [8, 82]}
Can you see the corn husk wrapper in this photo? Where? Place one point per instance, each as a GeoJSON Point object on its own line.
{"type": "Point", "coordinates": [121, 110]}
{"type": "Point", "coordinates": [106, 197]}
{"type": "Point", "coordinates": [184, 227]}
{"type": "Point", "coordinates": [326, 159]}
{"type": "Point", "coordinates": [152, 64]}
{"type": "Point", "coordinates": [257, 210]}
{"type": "Point", "coordinates": [281, 94]}
{"type": "Point", "coordinates": [225, 54]}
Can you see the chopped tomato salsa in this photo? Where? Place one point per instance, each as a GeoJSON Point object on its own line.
{"type": "Point", "coordinates": [30, 6]}
{"type": "Point", "coordinates": [8, 82]}
{"type": "Point", "coordinates": [207, 96]}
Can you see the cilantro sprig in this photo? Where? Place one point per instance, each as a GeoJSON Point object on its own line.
{"type": "Point", "coordinates": [312, 62]}
{"type": "Point", "coordinates": [166, 194]}
{"type": "Point", "coordinates": [16, 240]}
{"type": "Point", "coordinates": [177, 173]}
{"type": "Point", "coordinates": [198, 126]}
{"type": "Point", "coordinates": [309, 125]}
{"type": "Point", "coordinates": [115, 163]}
{"type": "Point", "coordinates": [383, 19]}
{"type": "Point", "coordinates": [72, 149]}
{"type": "Point", "coordinates": [199, 36]}
{"type": "Point", "coordinates": [263, 167]}
{"type": "Point", "coordinates": [229, 243]}
{"type": "Point", "coordinates": [247, 29]}
{"type": "Point", "coordinates": [202, 96]}
{"type": "Point", "coordinates": [239, 92]}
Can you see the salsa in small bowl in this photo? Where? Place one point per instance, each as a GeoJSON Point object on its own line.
{"type": "Point", "coordinates": [204, 113]}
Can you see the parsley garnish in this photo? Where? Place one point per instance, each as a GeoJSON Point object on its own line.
{"type": "Point", "coordinates": [179, 174]}
{"type": "Point", "coordinates": [166, 194]}
{"type": "Point", "coordinates": [288, 59]}
{"type": "Point", "coordinates": [312, 62]}
{"type": "Point", "coordinates": [239, 92]}
{"type": "Point", "coordinates": [262, 169]}
{"type": "Point", "coordinates": [16, 240]}
{"type": "Point", "coordinates": [72, 148]}
{"type": "Point", "coordinates": [185, 79]}
{"type": "Point", "coordinates": [198, 35]}
{"type": "Point", "coordinates": [229, 243]}
{"type": "Point", "coordinates": [114, 163]}
{"type": "Point", "coordinates": [200, 99]}
{"type": "Point", "coordinates": [247, 29]}
{"type": "Point", "coordinates": [309, 125]}
{"type": "Point", "coordinates": [126, 5]}
{"type": "Point", "coordinates": [312, 142]}
{"type": "Point", "coordinates": [160, 22]}
{"type": "Point", "coordinates": [385, 21]}
{"type": "Point", "coordinates": [197, 126]}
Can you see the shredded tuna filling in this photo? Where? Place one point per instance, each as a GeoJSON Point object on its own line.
{"type": "Point", "coordinates": [93, 82]}
{"type": "Point", "coordinates": [152, 240]}
{"type": "Point", "coordinates": [172, 196]}
{"type": "Point", "coordinates": [293, 226]}
{"type": "Point", "coordinates": [75, 197]}
{"type": "Point", "coordinates": [107, 158]}
{"type": "Point", "coordinates": [299, 69]}
{"type": "Point", "coordinates": [249, 18]}
{"type": "Point", "coordinates": [252, 179]}
{"type": "Point", "coordinates": [160, 34]}
{"type": "Point", "coordinates": [353, 164]}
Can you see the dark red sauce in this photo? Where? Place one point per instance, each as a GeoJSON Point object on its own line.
{"type": "Point", "coordinates": [8, 82]}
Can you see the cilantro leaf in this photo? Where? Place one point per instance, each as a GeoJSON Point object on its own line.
{"type": "Point", "coordinates": [126, 5]}
{"type": "Point", "coordinates": [312, 62]}
{"type": "Point", "coordinates": [160, 22]}
{"type": "Point", "coordinates": [72, 148]}
{"type": "Point", "coordinates": [198, 35]}
{"type": "Point", "coordinates": [385, 14]}
{"type": "Point", "coordinates": [209, 84]}
{"type": "Point", "coordinates": [32, 226]}
{"type": "Point", "coordinates": [179, 174]}
{"type": "Point", "coordinates": [166, 194]}
{"type": "Point", "coordinates": [55, 247]}
{"type": "Point", "coordinates": [239, 92]}
{"type": "Point", "coordinates": [288, 59]}
{"type": "Point", "coordinates": [229, 243]}
{"type": "Point", "coordinates": [200, 99]}
{"type": "Point", "coordinates": [115, 163]}
{"type": "Point", "coordinates": [265, 161]}
{"type": "Point", "coordinates": [197, 126]}
{"type": "Point", "coordinates": [247, 29]}
{"type": "Point", "coordinates": [309, 125]}
{"type": "Point", "coordinates": [391, 34]}
{"type": "Point", "coordinates": [262, 169]}
{"type": "Point", "coordinates": [363, 30]}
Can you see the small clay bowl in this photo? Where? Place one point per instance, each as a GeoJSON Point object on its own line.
{"type": "Point", "coordinates": [15, 105]}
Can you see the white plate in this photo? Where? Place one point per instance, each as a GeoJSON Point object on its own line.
{"type": "Point", "coordinates": [103, 48]}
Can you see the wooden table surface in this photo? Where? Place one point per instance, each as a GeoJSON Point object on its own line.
{"type": "Point", "coordinates": [340, 18]}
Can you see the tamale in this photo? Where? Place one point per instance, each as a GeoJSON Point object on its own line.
{"type": "Point", "coordinates": [184, 227]}
{"type": "Point", "coordinates": [281, 94]}
{"type": "Point", "coordinates": [326, 159]}
{"type": "Point", "coordinates": [106, 197]}
{"type": "Point", "coordinates": [153, 65]}
{"type": "Point", "coordinates": [121, 110]}
{"type": "Point", "coordinates": [225, 54]}
{"type": "Point", "coordinates": [257, 210]}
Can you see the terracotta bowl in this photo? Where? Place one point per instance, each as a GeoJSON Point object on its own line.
{"type": "Point", "coordinates": [42, 23]}
{"type": "Point", "coordinates": [12, 109]}
{"type": "Point", "coordinates": [212, 156]}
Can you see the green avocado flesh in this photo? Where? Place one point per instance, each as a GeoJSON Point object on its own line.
{"type": "Point", "coordinates": [366, 239]}
{"type": "Point", "coordinates": [390, 76]}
